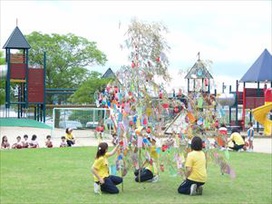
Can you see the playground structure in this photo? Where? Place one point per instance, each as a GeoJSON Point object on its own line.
{"type": "Point", "coordinates": [198, 80]}
{"type": "Point", "coordinates": [261, 113]}
{"type": "Point", "coordinates": [250, 99]}
{"type": "Point", "coordinates": [256, 99]}
{"type": "Point", "coordinates": [27, 82]}
{"type": "Point", "coordinates": [201, 77]}
{"type": "Point", "coordinates": [25, 86]}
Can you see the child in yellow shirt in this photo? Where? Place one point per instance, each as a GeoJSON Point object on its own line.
{"type": "Point", "coordinates": [100, 170]}
{"type": "Point", "coordinates": [196, 173]}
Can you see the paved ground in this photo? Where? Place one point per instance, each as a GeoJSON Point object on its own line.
{"type": "Point", "coordinates": [87, 138]}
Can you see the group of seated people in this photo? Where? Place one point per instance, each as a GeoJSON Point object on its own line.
{"type": "Point", "coordinates": [19, 144]}
{"type": "Point", "coordinates": [33, 143]}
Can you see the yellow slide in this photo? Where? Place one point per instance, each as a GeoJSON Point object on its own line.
{"type": "Point", "coordinates": [260, 114]}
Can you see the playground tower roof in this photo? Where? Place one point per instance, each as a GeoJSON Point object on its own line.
{"type": "Point", "coordinates": [198, 71]}
{"type": "Point", "coordinates": [16, 40]}
{"type": "Point", "coordinates": [261, 70]}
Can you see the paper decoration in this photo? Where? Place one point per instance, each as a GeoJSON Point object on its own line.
{"type": "Point", "coordinates": [158, 150]}
{"type": "Point", "coordinates": [200, 102]}
{"type": "Point", "coordinates": [120, 157]}
{"type": "Point", "coordinates": [232, 174]}
{"type": "Point", "coordinates": [172, 171]}
{"type": "Point", "coordinates": [113, 170]}
{"type": "Point", "coordinates": [191, 117]}
{"type": "Point", "coordinates": [227, 154]}
{"type": "Point", "coordinates": [125, 143]}
{"type": "Point", "coordinates": [140, 142]}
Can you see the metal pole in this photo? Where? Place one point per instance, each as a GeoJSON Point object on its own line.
{"type": "Point", "coordinates": [258, 95]}
{"type": "Point", "coordinates": [230, 108]}
{"type": "Point", "coordinates": [26, 55]}
{"type": "Point", "coordinates": [188, 84]}
{"type": "Point", "coordinates": [8, 79]}
{"type": "Point", "coordinates": [236, 108]}
{"type": "Point", "coordinates": [44, 85]}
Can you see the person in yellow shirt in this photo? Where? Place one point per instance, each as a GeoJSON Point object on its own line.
{"type": "Point", "coordinates": [100, 170]}
{"type": "Point", "coordinates": [196, 170]}
{"type": "Point", "coordinates": [149, 171]}
{"type": "Point", "coordinates": [69, 137]}
{"type": "Point", "coordinates": [237, 140]}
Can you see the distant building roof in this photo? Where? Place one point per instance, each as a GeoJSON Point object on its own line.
{"type": "Point", "coordinates": [198, 71]}
{"type": "Point", "coordinates": [261, 70]}
{"type": "Point", "coordinates": [109, 74]}
{"type": "Point", "coordinates": [16, 40]}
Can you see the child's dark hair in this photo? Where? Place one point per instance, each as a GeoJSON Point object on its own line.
{"type": "Point", "coordinates": [67, 130]}
{"type": "Point", "coordinates": [25, 136]}
{"type": "Point", "coordinates": [48, 136]}
{"type": "Point", "coordinates": [235, 130]}
{"type": "Point", "coordinates": [3, 138]}
{"type": "Point", "coordinates": [196, 143]}
{"type": "Point", "coordinates": [34, 137]}
{"type": "Point", "coordinates": [250, 124]}
{"type": "Point", "coordinates": [62, 137]}
{"type": "Point", "coordinates": [223, 125]}
{"type": "Point", "coordinates": [18, 137]}
{"type": "Point", "coordinates": [102, 147]}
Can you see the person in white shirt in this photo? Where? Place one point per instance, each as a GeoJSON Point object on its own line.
{"type": "Point", "coordinates": [18, 144]}
{"type": "Point", "coordinates": [63, 142]}
{"type": "Point", "coordinates": [33, 143]}
{"type": "Point", "coordinates": [25, 141]}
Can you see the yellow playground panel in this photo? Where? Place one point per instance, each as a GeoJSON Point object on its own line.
{"type": "Point", "coordinates": [260, 114]}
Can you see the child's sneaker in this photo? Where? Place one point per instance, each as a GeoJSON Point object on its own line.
{"type": "Point", "coordinates": [199, 190]}
{"type": "Point", "coordinates": [193, 189]}
{"type": "Point", "coordinates": [155, 179]}
{"type": "Point", "coordinates": [96, 188]}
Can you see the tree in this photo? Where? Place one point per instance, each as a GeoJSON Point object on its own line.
{"type": "Point", "coordinates": [67, 58]}
{"type": "Point", "coordinates": [85, 93]}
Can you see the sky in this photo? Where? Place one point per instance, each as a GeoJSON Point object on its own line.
{"type": "Point", "coordinates": [232, 34]}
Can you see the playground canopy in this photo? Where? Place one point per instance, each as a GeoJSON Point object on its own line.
{"type": "Point", "coordinates": [199, 70]}
{"type": "Point", "coordinates": [261, 70]}
{"type": "Point", "coordinates": [16, 40]}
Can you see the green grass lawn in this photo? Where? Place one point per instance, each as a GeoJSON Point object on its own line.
{"type": "Point", "coordinates": [62, 175]}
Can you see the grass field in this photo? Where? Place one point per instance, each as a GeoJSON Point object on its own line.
{"type": "Point", "coordinates": [62, 175]}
